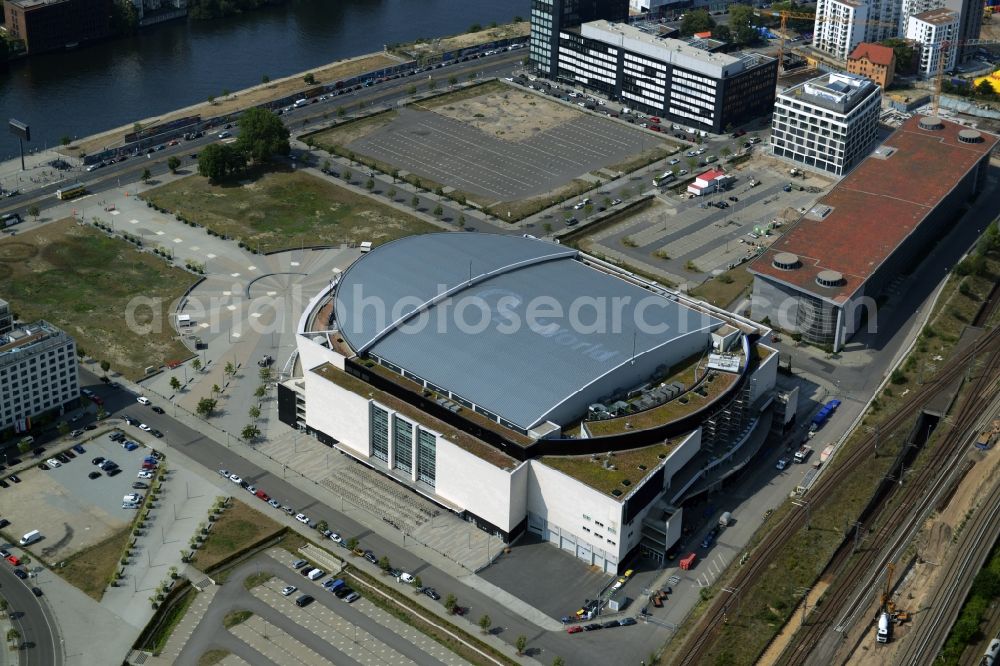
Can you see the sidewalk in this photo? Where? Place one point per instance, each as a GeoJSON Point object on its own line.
{"type": "Point", "coordinates": [182, 632]}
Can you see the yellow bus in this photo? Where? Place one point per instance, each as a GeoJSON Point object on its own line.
{"type": "Point", "coordinates": [70, 191]}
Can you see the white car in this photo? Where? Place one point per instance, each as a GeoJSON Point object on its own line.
{"type": "Point", "coordinates": [274, 503]}
{"type": "Point", "coordinates": [334, 537]}
{"type": "Point", "coordinates": [53, 463]}
{"type": "Point", "coordinates": [288, 590]}
{"type": "Point", "coordinates": [302, 518]}
{"type": "Point", "coordinates": [235, 478]}
{"type": "Point", "coordinates": [682, 172]}
{"type": "Point", "coordinates": [782, 464]}
{"type": "Point", "coordinates": [226, 135]}
{"type": "Point", "coordinates": [131, 498]}
{"type": "Point", "coordinates": [405, 578]}
{"type": "Point", "coordinates": [144, 475]}
{"type": "Point", "coordinates": [144, 427]}
{"type": "Point", "coordinates": [143, 400]}
{"type": "Point", "coordinates": [674, 161]}
{"type": "Point", "coordinates": [224, 473]}
{"type": "Point", "coordinates": [252, 490]}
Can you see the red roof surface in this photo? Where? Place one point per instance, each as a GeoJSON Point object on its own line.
{"type": "Point", "coordinates": [880, 55]}
{"type": "Point", "coordinates": [875, 207]}
{"type": "Point", "coordinates": [711, 174]}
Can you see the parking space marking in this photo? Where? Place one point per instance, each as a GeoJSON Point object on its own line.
{"type": "Point", "coordinates": [275, 643]}
{"type": "Point", "coordinates": [251, 268]}
{"type": "Point", "coordinates": [115, 212]}
{"type": "Point", "coordinates": [160, 233]}
{"type": "Point", "coordinates": [195, 248]}
{"type": "Point", "coordinates": [210, 255]}
{"type": "Point", "coordinates": [178, 240]}
{"type": "Point", "coordinates": [234, 275]}
{"type": "Point", "coordinates": [133, 221]}
{"type": "Point", "coordinates": [293, 263]}
{"type": "Point", "coordinates": [230, 307]}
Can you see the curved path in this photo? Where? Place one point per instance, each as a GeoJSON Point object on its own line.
{"type": "Point", "coordinates": [31, 616]}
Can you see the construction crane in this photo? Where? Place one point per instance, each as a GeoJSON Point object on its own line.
{"type": "Point", "coordinates": [887, 605]}
{"type": "Point", "coordinates": [784, 15]}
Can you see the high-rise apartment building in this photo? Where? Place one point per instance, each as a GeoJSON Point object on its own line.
{"type": "Point", "coordinates": [549, 17]}
{"type": "Point", "coordinates": [38, 373]}
{"type": "Point", "coordinates": [828, 123]}
{"type": "Point", "coordinates": [935, 31]}
{"type": "Point", "coordinates": [48, 25]}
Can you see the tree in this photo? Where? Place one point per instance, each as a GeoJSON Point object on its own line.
{"type": "Point", "coordinates": [410, 90]}
{"type": "Point", "coordinates": [352, 544]}
{"type": "Point", "coordinates": [985, 89]}
{"type": "Point", "coordinates": [725, 152]}
{"type": "Point", "coordinates": [432, 84]}
{"type": "Point", "coordinates": [341, 111]}
{"type": "Point", "coordinates": [698, 20]}
{"type": "Point", "coordinates": [13, 636]}
{"type": "Point", "coordinates": [81, 352]}
{"type": "Point", "coordinates": [230, 369]}
{"type": "Point", "coordinates": [259, 393]}
{"type": "Point", "coordinates": [438, 210]}
{"type": "Point", "coordinates": [370, 184]}
{"type": "Point", "coordinates": [904, 52]}
{"type": "Point", "coordinates": [218, 160]}
{"type": "Point", "coordinates": [211, 100]}
{"type": "Point", "coordinates": [23, 446]}
{"type": "Point", "coordinates": [485, 623]}
{"type": "Point", "coordinates": [206, 407]}
{"type": "Point", "coordinates": [348, 175]}
{"type": "Point", "coordinates": [461, 221]}
{"type": "Point", "coordinates": [254, 412]}
{"type": "Point", "coordinates": [391, 193]}
{"type": "Point", "coordinates": [262, 134]}
{"type": "Point", "coordinates": [33, 211]}
{"type": "Point", "coordinates": [105, 366]}
{"type": "Point", "coordinates": [384, 564]}
{"type": "Point", "coordinates": [101, 413]}
{"type": "Point", "coordinates": [452, 80]}
{"type": "Point", "coordinates": [520, 644]}
{"type": "Point", "coordinates": [722, 33]}
{"type": "Point", "coordinates": [395, 175]}
{"type": "Point", "coordinates": [175, 384]}
{"type": "Point", "coordinates": [249, 432]}
{"type": "Point", "coordinates": [547, 227]}
{"type": "Point", "coordinates": [264, 374]}
{"type": "Point", "coordinates": [415, 201]}
{"type": "Point", "coordinates": [196, 364]}
{"type": "Point", "coordinates": [417, 583]}
{"type": "Point", "coordinates": [63, 427]}
{"type": "Point", "coordinates": [558, 661]}
{"type": "Point", "coordinates": [450, 602]}
{"type": "Point", "coordinates": [172, 163]}
{"type": "Point", "coordinates": [146, 175]}
{"type": "Point", "coordinates": [743, 22]}
{"type": "Point", "coordinates": [309, 79]}
{"type": "Point", "coordinates": [475, 27]}
{"type": "Point", "coordinates": [216, 390]}
{"type": "Point", "coordinates": [65, 140]}
{"type": "Point", "coordinates": [265, 79]}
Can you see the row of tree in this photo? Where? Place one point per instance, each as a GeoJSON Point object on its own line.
{"type": "Point", "coordinates": [262, 136]}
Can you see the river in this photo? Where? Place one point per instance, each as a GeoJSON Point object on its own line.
{"type": "Point", "coordinates": [172, 65]}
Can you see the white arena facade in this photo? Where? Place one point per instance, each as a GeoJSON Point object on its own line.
{"type": "Point", "coordinates": [528, 387]}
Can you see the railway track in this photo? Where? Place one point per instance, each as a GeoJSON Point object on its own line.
{"type": "Point", "coordinates": [693, 651]}
{"type": "Point", "coordinates": [916, 499]}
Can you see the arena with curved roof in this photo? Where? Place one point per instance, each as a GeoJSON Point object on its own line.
{"type": "Point", "coordinates": [498, 375]}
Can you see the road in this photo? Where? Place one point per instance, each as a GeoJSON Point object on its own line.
{"type": "Point", "coordinates": [33, 619]}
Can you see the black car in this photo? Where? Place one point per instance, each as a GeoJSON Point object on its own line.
{"type": "Point", "coordinates": [114, 472]}
{"type": "Point", "coordinates": [39, 451]}
{"type": "Point", "coordinates": [99, 460]}
{"type": "Point", "coordinates": [90, 426]}
{"type": "Point", "coordinates": [626, 621]}
{"type": "Point", "coordinates": [432, 593]}
{"type": "Point", "coordinates": [94, 475]}
{"type": "Point", "coordinates": [370, 556]}
{"type": "Point", "coordinates": [15, 478]}
{"type": "Point", "coordinates": [610, 624]}
{"type": "Point", "coordinates": [118, 437]}
{"type": "Point", "coordinates": [158, 410]}
{"type": "Point", "coordinates": [37, 591]}
{"type": "Point", "coordinates": [20, 574]}
{"type": "Point", "coordinates": [4, 523]}
{"type": "Point", "coordinates": [139, 485]}
{"type": "Point", "coordinates": [62, 457]}
{"type": "Point", "coordinates": [69, 454]}
{"type": "Point", "coordinates": [108, 465]}
{"type": "Point", "coordinates": [129, 420]}
{"type": "Point", "coordinates": [156, 433]}
{"type": "Point", "coordinates": [43, 466]}
{"type": "Point", "coordinates": [342, 592]}
{"type": "Point", "coordinates": [158, 455]}
{"type": "Point", "coordinates": [79, 449]}
{"type": "Point", "coordinates": [591, 627]}
{"type": "Point", "coordinates": [4, 484]}
{"type": "Point", "coordinates": [303, 601]}
{"type": "Point", "coordinates": [305, 571]}
{"type": "Point", "coordinates": [14, 461]}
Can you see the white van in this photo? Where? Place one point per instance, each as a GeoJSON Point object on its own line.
{"type": "Point", "coordinates": [316, 574]}
{"type": "Point", "coordinates": [30, 538]}
{"type": "Point", "coordinates": [299, 103]}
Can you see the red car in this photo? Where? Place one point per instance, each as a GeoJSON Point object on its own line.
{"type": "Point", "coordinates": [575, 629]}
{"type": "Point", "coordinates": [655, 128]}
{"type": "Point", "coordinates": [654, 119]}
{"type": "Point", "coordinates": [13, 559]}
{"type": "Point", "coordinates": [262, 495]}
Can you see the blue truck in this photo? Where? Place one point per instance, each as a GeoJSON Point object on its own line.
{"type": "Point", "coordinates": [823, 414]}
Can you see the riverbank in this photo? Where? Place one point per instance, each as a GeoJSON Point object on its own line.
{"type": "Point", "coordinates": [241, 99]}
{"type": "Point", "coordinates": [286, 86]}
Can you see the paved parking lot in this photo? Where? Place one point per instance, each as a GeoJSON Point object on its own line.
{"type": "Point", "coordinates": [545, 577]}
{"type": "Point", "coordinates": [675, 235]}
{"type": "Point", "coordinates": [327, 631]}
{"type": "Point", "coordinates": [70, 510]}
{"type": "Point", "coordinates": [458, 155]}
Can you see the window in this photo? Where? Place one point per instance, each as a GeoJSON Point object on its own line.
{"type": "Point", "coordinates": [402, 449]}
{"type": "Point", "coordinates": [380, 433]}
{"type": "Point", "coordinates": [426, 457]}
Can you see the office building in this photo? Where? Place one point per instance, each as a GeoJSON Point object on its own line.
{"type": "Point", "coordinates": [935, 32]}
{"type": "Point", "coordinates": [822, 277]}
{"type": "Point", "coordinates": [591, 436]}
{"type": "Point", "coordinates": [873, 61]}
{"type": "Point", "coordinates": [49, 25]}
{"type": "Point", "coordinates": [829, 123]}
{"type": "Point", "coordinates": [550, 17]}
{"type": "Point", "coordinates": [970, 23]}
{"type": "Point", "coordinates": [6, 318]}
{"type": "Point", "coordinates": [38, 374]}
{"type": "Point", "coordinates": [680, 81]}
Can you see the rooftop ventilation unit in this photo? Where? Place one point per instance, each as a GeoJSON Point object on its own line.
{"type": "Point", "coordinates": [970, 136]}
{"type": "Point", "coordinates": [829, 279]}
{"type": "Point", "coordinates": [785, 261]}
{"type": "Point", "coordinates": [931, 123]}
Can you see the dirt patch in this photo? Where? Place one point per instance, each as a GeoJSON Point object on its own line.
{"type": "Point", "coordinates": [243, 99]}
{"type": "Point", "coordinates": [508, 114]}
{"type": "Point", "coordinates": [781, 641]}
{"type": "Point", "coordinates": [345, 133]}
{"type": "Point", "coordinates": [464, 41]}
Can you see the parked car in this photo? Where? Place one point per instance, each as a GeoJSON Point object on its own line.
{"type": "Point", "coordinates": [158, 409]}
{"type": "Point", "coordinates": [79, 449]}
{"type": "Point", "coordinates": [305, 599]}
{"type": "Point", "coordinates": [627, 621]}
{"type": "Point", "coordinates": [143, 400]}
{"type": "Point", "coordinates": [575, 629]}
{"type": "Point", "coordinates": [298, 564]}
{"type": "Point", "coordinates": [432, 593]}
{"type": "Point", "coordinates": [94, 475]}
{"type": "Point", "coordinates": [781, 464]}
{"type": "Point", "coordinates": [288, 590]}
{"type": "Point", "coordinates": [302, 518]}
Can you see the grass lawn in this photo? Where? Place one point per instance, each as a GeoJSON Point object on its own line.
{"type": "Point", "coordinates": [158, 640]}
{"type": "Point", "coordinates": [83, 281]}
{"type": "Point", "coordinates": [631, 466]}
{"type": "Point", "coordinates": [90, 570]}
{"type": "Point", "coordinates": [253, 580]}
{"type": "Point", "coordinates": [238, 527]}
{"type": "Point", "coordinates": [234, 618]}
{"type": "Point", "coordinates": [284, 209]}
{"type": "Point", "coordinates": [725, 288]}
{"type": "Point", "coordinates": [213, 657]}
{"type": "Point", "coordinates": [463, 94]}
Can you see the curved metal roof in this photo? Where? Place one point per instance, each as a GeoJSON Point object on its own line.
{"type": "Point", "coordinates": [454, 309]}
